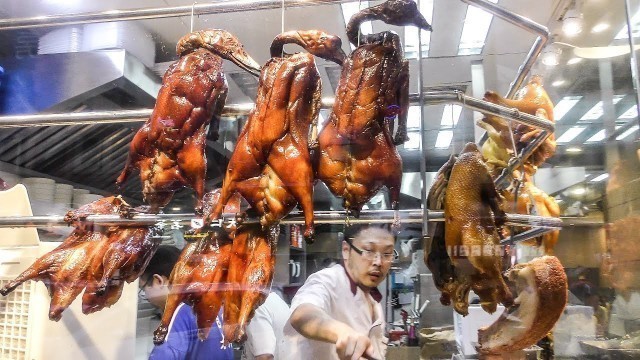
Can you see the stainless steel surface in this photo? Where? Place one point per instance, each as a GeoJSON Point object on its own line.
{"type": "Point", "coordinates": [529, 234]}
{"type": "Point", "coordinates": [525, 23]}
{"type": "Point", "coordinates": [488, 108]}
{"type": "Point", "coordinates": [502, 181]}
{"type": "Point", "coordinates": [435, 314]}
{"type": "Point", "coordinates": [321, 217]}
{"type": "Point", "coordinates": [217, 7]}
{"type": "Point", "coordinates": [141, 115]}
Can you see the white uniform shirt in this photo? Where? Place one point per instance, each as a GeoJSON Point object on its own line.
{"type": "Point", "coordinates": [332, 290]}
{"type": "Point", "coordinates": [264, 332]}
{"type": "Point", "coordinates": [622, 310]}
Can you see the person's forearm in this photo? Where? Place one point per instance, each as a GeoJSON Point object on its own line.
{"type": "Point", "coordinates": [312, 322]}
{"type": "Point", "coordinates": [264, 357]}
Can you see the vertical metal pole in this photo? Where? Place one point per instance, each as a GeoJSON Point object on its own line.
{"type": "Point", "coordinates": [608, 117]}
{"type": "Point", "coordinates": [634, 56]}
{"type": "Point", "coordinates": [477, 91]}
{"type": "Point", "coordinates": [423, 139]}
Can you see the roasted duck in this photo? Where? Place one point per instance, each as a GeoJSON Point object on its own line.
{"type": "Point", "coordinates": [271, 165]}
{"type": "Point", "coordinates": [357, 155]}
{"type": "Point", "coordinates": [533, 100]}
{"type": "Point", "coordinates": [251, 269]}
{"type": "Point", "coordinates": [542, 296]}
{"type": "Point", "coordinates": [169, 149]}
{"type": "Point", "coordinates": [473, 217]}
{"type": "Point", "coordinates": [533, 201]}
{"type": "Point", "coordinates": [98, 258]}
{"type": "Point", "coordinates": [199, 276]}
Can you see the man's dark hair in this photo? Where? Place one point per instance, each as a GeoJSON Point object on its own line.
{"type": "Point", "coordinates": [162, 261]}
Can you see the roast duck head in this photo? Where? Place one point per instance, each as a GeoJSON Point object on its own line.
{"type": "Point", "coordinates": [221, 43]}
{"type": "Point", "coordinates": [392, 12]}
{"type": "Point", "coordinates": [316, 42]}
{"type": "Point", "coordinates": [464, 252]}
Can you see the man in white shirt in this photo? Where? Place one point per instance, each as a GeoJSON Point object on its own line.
{"type": "Point", "coordinates": [265, 340]}
{"type": "Point", "coordinates": [337, 314]}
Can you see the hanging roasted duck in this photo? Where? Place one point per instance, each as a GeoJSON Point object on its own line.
{"type": "Point", "coordinates": [200, 274]}
{"type": "Point", "coordinates": [271, 165]}
{"type": "Point", "coordinates": [357, 155]}
{"type": "Point", "coordinates": [97, 258]}
{"type": "Point", "coordinates": [466, 255]}
{"type": "Point", "coordinates": [169, 149]}
{"type": "Point", "coordinates": [542, 295]}
{"type": "Point", "coordinates": [533, 201]}
{"type": "Point", "coordinates": [533, 100]}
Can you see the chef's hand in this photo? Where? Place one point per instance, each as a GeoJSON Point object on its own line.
{"type": "Point", "coordinates": [354, 346]}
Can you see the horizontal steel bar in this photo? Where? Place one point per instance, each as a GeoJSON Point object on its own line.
{"type": "Point", "coordinates": [321, 217]}
{"type": "Point", "coordinates": [441, 97]}
{"type": "Point", "coordinates": [529, 234]}
{"type": "Point", "coordinates": [214, 7]}
{"type": "Point", "coordinates": [141, 115]}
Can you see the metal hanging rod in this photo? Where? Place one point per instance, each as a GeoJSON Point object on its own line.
{"type": "Point", "coordinates": [141, 115]}
{"type": "Point", "coordinates": [529, 234]}
{"type": "Point", "coordinates": [525, 23]}
{"type": "Point", "coordinates": [215, 7]}
{"type": "Point", "coordinates": [321, 217]}
{"type": "Point", "coordinates": [503, 180]}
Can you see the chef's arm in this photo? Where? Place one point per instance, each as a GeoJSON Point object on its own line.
{"type": "Point", "coordinates": [264, 357]}
{"type": "Point", "coordinates": [314, 323]}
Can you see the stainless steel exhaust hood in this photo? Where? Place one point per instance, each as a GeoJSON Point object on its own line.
{"type": "Point", "coordinates": [67, 81]}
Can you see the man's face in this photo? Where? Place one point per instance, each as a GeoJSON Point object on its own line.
{"type": "Point", "coordinates": [155, 290]}
{"type": "Point", "coordinates": [371, 267]}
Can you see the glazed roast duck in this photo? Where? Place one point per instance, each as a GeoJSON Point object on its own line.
{"type": "Point", "coordinates": [169, 149]}
{"type": "Point", "coordinates": [473, 217]}
{"type": "Point", "coordinates": [95, 259]}
{"type": "Point", "coordinates": [271, 166]}
{"type": "Point", "coordinates": [230, 268]}
{"type": "Point", "coordinates": [357, 154]}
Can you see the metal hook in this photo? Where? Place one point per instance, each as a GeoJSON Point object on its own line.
{"type": "Point", "coordinates": [193, 8]}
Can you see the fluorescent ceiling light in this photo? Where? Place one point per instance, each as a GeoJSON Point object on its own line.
{"type": "Point", "coordinates": [579, 191]}
{"type": "Point", "coordinates": [629, 131]}
{"type": "Point", "coordinates": [414, 141]}
{"type": "Point", "coordinates": [474, 31]}
{"type": "Point", "coordinates": [599, 136]}
{"type": "Point", "coordinates": [571, 134]}
{"type": "Point", "coordinates": [574, 61]}
{"type": "Point", "coordinates": [351, 8]}
{"type": "Point", "coordinates": [630, 114]}
{"type": "Point", "coordinates": [599, 177]}
{"type": "Point", "coordinates": [597, 110]}
{"type": "Point", "coordinates": [411, 33]}
{"type": "Point", "coordinates": [624, 32]}
{"type": "Point", "coordinates": [413, 117]}
{"type": "Point", "coordinates": [558, 83]}
{"type": "Point", "coordinates": [444, 139]}
{"type": "Point", "coordinates": [599, 28]}
{"type": "Point", "coordinates": [563, 107]}
{"type": "Point", "coordinates": [574, 150]}
{"type": "Point", "coordinates": [450, 115]}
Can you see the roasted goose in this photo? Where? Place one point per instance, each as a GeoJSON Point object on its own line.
{"type": "Point", "coordinates": [533, 100]}
{"type": "Point", "coordinates": [357, 155]}
{"type": "Point", "coordinates": [98, 258]}
{"type": "Point", "coordinates": [542, 296]}
{"type": "Point", "coordinates": [251, 269]}
{"type": "Point", "coordinates": [169, 148]}
{"type": "Point", "coordinates": [473, 217]}
{"type": "Point", "coordinates": [273, 149]}
{"type": "Point", "coordinates": [533, 201]}
{"type": "Point", "coordinates": [199, 277]}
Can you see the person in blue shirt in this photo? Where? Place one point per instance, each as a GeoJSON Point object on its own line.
{"type": "Point", "coordinates": [182, 340]}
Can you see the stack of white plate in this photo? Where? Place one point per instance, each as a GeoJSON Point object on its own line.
{"type": "Point", "coordinates": [11, 179]}
{"type": "Point", "coordinates": [41, 192]}
{"type": "Point", "coordinates": [63, 195]}
{"type": "Point", "coordinates": [77, 197]}
{"type": "Point", "coordinates": [88, 198]}
{"type": "Point", "coordinates": [62, 40]}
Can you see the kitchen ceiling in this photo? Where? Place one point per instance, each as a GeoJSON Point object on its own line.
{"type": "Point", "coordinates": [505, 50]}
